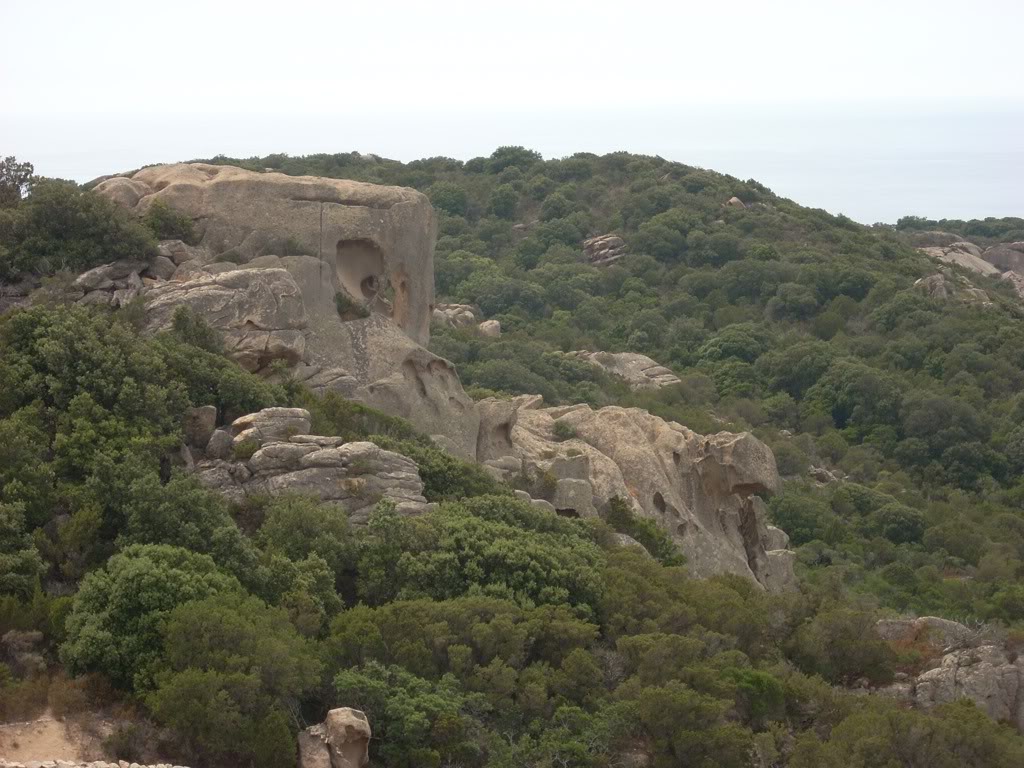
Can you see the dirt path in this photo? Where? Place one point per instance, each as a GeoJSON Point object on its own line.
{"type": "Point", "coordinates": [50, 739]}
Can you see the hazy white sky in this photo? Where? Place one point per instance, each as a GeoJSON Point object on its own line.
{"type": "Point", "coordinates": [856, 106]}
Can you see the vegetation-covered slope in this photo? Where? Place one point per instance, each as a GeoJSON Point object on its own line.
{"type": "Point", "coordinates": [487, 633]}
{"type": "Point", "coordinates": [802, 326]}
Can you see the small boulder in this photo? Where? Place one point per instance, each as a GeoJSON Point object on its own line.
{"type": "Point", "coordinates": [490, 329]}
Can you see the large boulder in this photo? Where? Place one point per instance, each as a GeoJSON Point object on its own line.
{"type": "Point", "coordinates": [374, 243]}
{"type": "Point", "coordinates": [348, 311]}
{"type": "Point", "coordinates": [341, 741]}
{"type": "Point", "coordinates": [1006, 257]}
{"type": "Point", "coordinates": [704, 491]}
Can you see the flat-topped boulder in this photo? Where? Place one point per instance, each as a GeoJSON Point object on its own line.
{"type": "Point", "coordinates": [374, 243]}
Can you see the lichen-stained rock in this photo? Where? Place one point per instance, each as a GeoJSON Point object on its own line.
{"type": "Point", "coordinates": [274, 454]}
{"type": "Point", "coordinates": [341, 741]}
{"type": "Point", "coordinates": [258, 312]}
{"type": "Point", "coordinates": [638, 371]}
{"type": "Point", "coordinates": [371, 241]}
{"type": "Point", "coordinates": [701, 490]}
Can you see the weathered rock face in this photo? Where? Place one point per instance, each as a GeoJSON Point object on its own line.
{"type": "Point", "coordinates": [341, 741]}
{"type": "Point", "coordinates": [604, 250]}
{"type": "Point", "coordinates": [372, 242]}
{"type": "Point", "coordinates": [639, 371]}
{"type": "Point", "coordinates": [259, 312]}
{"type": "Point", "coordinates": [1007, 257]}
{"type": "Point", "coordinates": [966, 663]}
{"type": "Point", "coordinates": [272, 452]}
{"type": "Point", "coordinates": [702, 490]}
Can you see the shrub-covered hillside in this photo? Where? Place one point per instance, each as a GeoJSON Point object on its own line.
{"type": "Point", "coordinates": [802, 326]}
{"type": "Point", "coordinates": [488, 633]}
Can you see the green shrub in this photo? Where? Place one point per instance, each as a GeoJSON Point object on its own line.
{"type": "Point", "coordinates": [61, 227]}
{"type": "Point", "coordinates": [563, 430]}
{"type": "Point", "coordinates": [168, 224]}
{"type": "Point", "coordinates": [348, 308]}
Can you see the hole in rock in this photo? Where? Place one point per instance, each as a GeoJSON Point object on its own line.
{"type": "Point", "coordinates": [361, 268]}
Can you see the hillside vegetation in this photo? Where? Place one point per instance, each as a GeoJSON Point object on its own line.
{"type": "Point", "coordinates": [488, 633]}
{"type": "Point", "coordinates": [802, 326]}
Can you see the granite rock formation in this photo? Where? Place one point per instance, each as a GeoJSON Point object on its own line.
{"type": "Point", "coordinates": [271, 452]}
{"type": "Point", "coordinates": [638, 371]}
{"type": "Point", "coordinates": [374, 243]}
{"type": "Point", "coordinates": [704, 491]}
{"type": "Point", "coordinates": [965, 662]}
{"type": "Point", "coordinates": [342, 740]}
{"type": "Point", "coordinates": [604, 250]}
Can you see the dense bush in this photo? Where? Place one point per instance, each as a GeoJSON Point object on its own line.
{"type": "Point", "coordinates": [59, 226]}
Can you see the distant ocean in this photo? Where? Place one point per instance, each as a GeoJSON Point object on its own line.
{"type": "Point", "coordinates": [872, 164]}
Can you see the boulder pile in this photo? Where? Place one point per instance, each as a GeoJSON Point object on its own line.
{"type": "Point", "coordinates": [271, 452]}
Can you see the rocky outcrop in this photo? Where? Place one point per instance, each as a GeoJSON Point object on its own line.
{"type": "Point", "coordinates": [1006, 257]}
{"type": "Point", "coordinates": [638, 371]}
{"type": "Point", "coordinates": [1004, 260]}
{"type": "Point", "coordinates": [603, 250]}
{"type": "Point", "coordinates": [369, 244]}
{"type": "Point", "coordinates": [454, 316]}
{"type": "Point", "coordinates": [704, 491]}
{"type": "Point", "coordinates": [272, 453]}
{"type": "Point", "coordinates": [947, 286]}
{"type": "Point", "coordinates": [464, 316]}
{"type": "Point", "coordinates": [81, 764]}
{"type": "Point", "coordinates": [962, 254]}
{"type": "Point", "coordinates": [962, 662]}
{"type": "Point", "coordinates": [374, 243]}
{"type": "Point", "coordinates": [341, 741]}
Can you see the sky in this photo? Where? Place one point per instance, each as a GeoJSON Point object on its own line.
{"type": "Point", "coordinates": [873, 109]}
